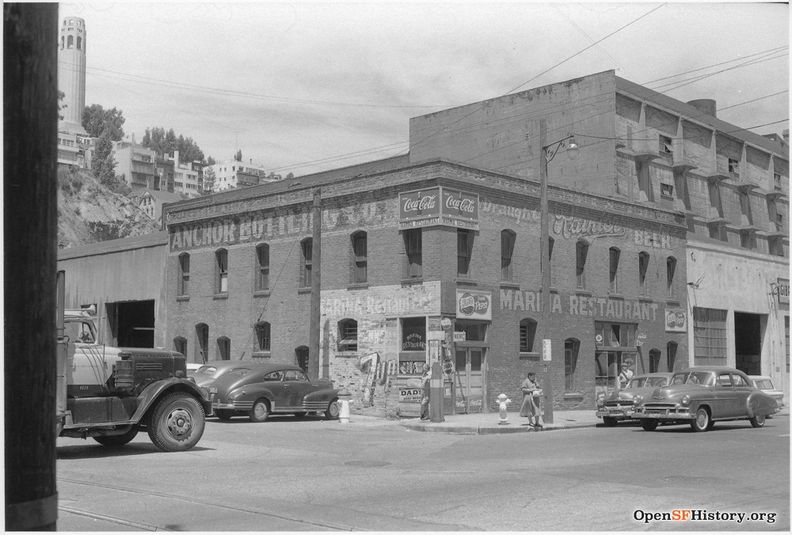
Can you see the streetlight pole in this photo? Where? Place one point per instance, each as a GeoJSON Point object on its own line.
{"type": "Point", "coordinates": [548, 152]}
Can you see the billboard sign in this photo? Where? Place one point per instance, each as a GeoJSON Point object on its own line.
{"type": "Point", "coordinates": [474, 304]}
{"type": "Point", "coordinates": [438, 206]}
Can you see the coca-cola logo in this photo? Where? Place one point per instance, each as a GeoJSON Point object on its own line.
{"type": "Point", "coordinates": [473, 304]}
{"type": "Point", "coordinates": [460, 204]}
{"type": "Point", "coordinates": [425, 202]}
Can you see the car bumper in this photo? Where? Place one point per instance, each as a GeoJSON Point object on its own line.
{"type": "Point", "coordinates": [619, 414]}
{"type": "Point", "coordinates": [671, 414]}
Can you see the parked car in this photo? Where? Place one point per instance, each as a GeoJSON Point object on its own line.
{"type": "Point", "coordinates": [213, 369]}
{"type": "Point", "coordinates": [620, 404]}
{"type": "Point", "coordinates": [765, 384]}
{"type": "Point", "coordinates": [258, 390]}
{"type": "Point", "coordinates": [193, 367]}
{"type": "Point", "coordinates": [702, 395]}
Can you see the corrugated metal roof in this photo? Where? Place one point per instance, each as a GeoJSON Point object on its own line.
{"type": "Point", "coordinates": [159, 238]}
{"type": "Point", "coordinates": [690, 112]}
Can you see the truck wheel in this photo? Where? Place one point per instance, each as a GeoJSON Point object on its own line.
{"type": "Point", "coordinates": [702, 421]}
{"type": "Point", "coordinates": [117, 440]}
{"type": "Point", "coordinates": [260, 411]}
{"type": "Point", "coordinates": [757, 421]}
{"type": "Point", "coordinates": [609, 421]}
{"type": "Point", "coordinates": [177, 422]}
{"type": "Point", "coordinates": [649, 425]}
{"type": "Point", "coordinates": [332, 410]}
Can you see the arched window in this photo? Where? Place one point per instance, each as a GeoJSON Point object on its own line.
{"type": "Point", "coordinates": [70, 41]}
{"type": "Point", "coordinates": [643, 268]}
{"type": "Point", "coordinates": [581, 253]}
{"type": "Point", "coordinates": [654, 360]}
{"type": "Point", "coordinates": [464, 251]}
{"type": "Point", "coordinates": [201, 342]}
{"type": "Point", "coordinates": [263, 340]}
{"type": "Point", "coordinates": [671, 264]}
{"type": "Point", "coordinates": [301, 356]}
{"type": "Point", "coordinates": [359, 268]}
{"type": "Point", "coordinates": [262, 267]}
{"type": "Point", "coordinates": [613, 256]}
{"type": "Point", "coordinates": [184, 274]}
{"type": "Point", "coordinates": [508, 238]}
{"type": "Point", "coordinates": [180, 345]}
{"type": "Point", "coordinates": [63, 42]}
{"type": "Point", "coordinates": [306, 265]}
{"type": "Point", "coordinates": [79, 43]}
{"type": "Point", "coordinates": [671, 352]}
{"type": "Point", "coordinates": [571, 350]}
{"type": "Point", "coordinates": [347, 335]}
{"type": "Point", "coordinates": [527, 335]}
{"type": "Point", "coordinates": [412, 267]}
{"type": "Point", "coordinates": [221, 265]}
{"type": "Point", "coordinates": [224, 348]}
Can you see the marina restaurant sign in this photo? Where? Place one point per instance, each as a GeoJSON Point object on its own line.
{"type": "Point", "coordinates": [438, 206]}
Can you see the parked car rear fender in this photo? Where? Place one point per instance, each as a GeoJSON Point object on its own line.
{"type": "Point", "coordinates": [327, 393]}
{"type": "Point", "coordinates": [760, 404]}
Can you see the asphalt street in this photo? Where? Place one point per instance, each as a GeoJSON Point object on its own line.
{"type": "Point", "coordinates": [315, 475]}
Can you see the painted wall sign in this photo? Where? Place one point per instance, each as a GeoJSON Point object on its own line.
{"type": "Point", "coordinates": [576, 305]}
{"type": "Point", "coordinates": [438, 206]}
{"type": "Point", "coordinates": [675, 320]}
{"type": "Point", "coordinates": [782, 288]}
{"type": "Point", "coordinates": [474, 304]}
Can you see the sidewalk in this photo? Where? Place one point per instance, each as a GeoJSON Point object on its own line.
{"type": "Point", "coordinates": [484, 423]}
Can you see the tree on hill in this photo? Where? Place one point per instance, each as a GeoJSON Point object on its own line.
{"type": "Point", "coordinates": [98, 121]}
{"type": "Point", "coordinates": [208, 181]}
{"type": "Point", "coordinates": [166, 142]}
{"type": "Point", "coordinates": [103, 164]}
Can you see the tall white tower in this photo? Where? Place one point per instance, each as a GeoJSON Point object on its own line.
{"type": "Point", "coordinates": [71, 74]}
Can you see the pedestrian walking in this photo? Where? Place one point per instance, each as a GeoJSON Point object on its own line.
{"type": "Point", "coordinates": [531, 400]}
{"type": "Point", "coordinates": [426, 385]}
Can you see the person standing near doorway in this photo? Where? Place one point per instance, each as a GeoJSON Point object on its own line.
{"type": "Point", "coordinates": [426, 378]}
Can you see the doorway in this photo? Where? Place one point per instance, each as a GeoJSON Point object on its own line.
{"type": "Point", "coordinates": [612, 370]}
{"type": "Point", "coordinates": [748, 343]}
{"type": "Point", "coordinates": [132, 323]}
{"type": "Point", "coordinates": [469, 379]}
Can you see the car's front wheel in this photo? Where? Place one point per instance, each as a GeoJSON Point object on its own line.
{"type": "Point", "coordinates": [609, 421]}
{"type": "Point", "coordinates": [260, 411]}
{"type": "Point", "coordinates": [332, 410]}
{"type": "Point", "coordinates": [702, 421]}
{"type": "Point", "coordinates": [757, 421]}
{"type": "Point", "coordinates": [649, 425]}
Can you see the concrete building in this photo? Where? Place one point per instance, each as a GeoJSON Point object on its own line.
{"type": "Point", "coordinates": [151, 202]}
{"type": "Point", "coordinates": [135, 164]}
{"type": "Point", "coordinates": [75, 150]}
{"type": "Point", "coordinates": [230, 174]}
{"type": "Point", "coordinates": [186, 177]}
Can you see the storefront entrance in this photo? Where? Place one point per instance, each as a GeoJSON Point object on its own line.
{"type": "Point", "coordinates": [612, 370]}
{"type": "Point", "coordinates": [468, 379]}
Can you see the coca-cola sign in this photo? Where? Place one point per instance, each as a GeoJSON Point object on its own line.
{"type": "Point", "coordinates": [438, 206]}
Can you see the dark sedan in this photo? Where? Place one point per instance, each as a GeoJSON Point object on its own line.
{"type": "Point", "coordinates": [620, 404]}
{"type": "Point", "coordinates": [260, 389]}
{"type": "Point", "coordinates": [702, 395]}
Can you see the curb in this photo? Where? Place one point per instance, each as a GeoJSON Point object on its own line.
{"type": "Point", "coordinates": [470, 430]}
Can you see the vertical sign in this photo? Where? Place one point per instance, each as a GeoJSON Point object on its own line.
{"type": "Point", "coordinates": [547, 352]}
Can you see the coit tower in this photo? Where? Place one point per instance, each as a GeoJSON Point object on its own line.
{"type": "Point", "coordinates": [71, 74]}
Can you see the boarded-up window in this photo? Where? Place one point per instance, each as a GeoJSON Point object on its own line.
{"type": "Point", "coordinates": [709, 337]}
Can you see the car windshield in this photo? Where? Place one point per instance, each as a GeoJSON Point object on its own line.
{"type": "Point", "coordinates": [657, 381]}
{"type": "Point", "coordinates": [638, 382]}
{"type": "Point", "coordinates": [693, 378]}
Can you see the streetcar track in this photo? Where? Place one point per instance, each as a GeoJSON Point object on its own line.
{"type": "Point", "coordinates": [111, 519]}
{"type": "Point", "coordinates": [324, 525]}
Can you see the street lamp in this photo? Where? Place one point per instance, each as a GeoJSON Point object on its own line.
{"type": "Point", "coordinates": [548, 153]}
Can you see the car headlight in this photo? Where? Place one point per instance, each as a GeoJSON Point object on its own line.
{"type": "Point", "coordinates": [600, 400]}
{"type": "Point", "coordinates": [213, 390]}
{"type": "Point", "coordinates": [637, 398]}
{"type": "Point", "coordinates": [685, 400]}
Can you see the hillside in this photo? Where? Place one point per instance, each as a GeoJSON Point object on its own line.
{"type": "Point", "coordinates": [89, 212]}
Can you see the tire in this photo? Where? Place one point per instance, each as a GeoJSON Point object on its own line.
{"type": "Point", "coordinates": [609, 421]}
{"type": "Point", "coordinates": [649, 425]}
{"type": "Point", "coordinates": [332, 410]}
{"type": "Point", "coordinates": [260, 411]}
{"type": "Point", "coordinates": [115, 441]}
{"type": "Point", "coordinates": [757, 421]}
{"type": "Point", "coordinates": [702, 421]}
{"type": "Point", "coordinates": [224, 414]}
{"type": "Point", "coordinates": [177, 422]}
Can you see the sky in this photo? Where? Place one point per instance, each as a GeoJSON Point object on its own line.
{"type": "Point", "coordinates": [307, 86]}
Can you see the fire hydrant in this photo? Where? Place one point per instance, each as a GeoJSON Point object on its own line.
{"type": "Point", "coordinates": [503, 401]}
{"type": "Point", "coordinates": [344, 401]}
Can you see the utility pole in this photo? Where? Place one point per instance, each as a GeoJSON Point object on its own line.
{"type": "Point", "coordinates": [30, 218]}
{"type": "Point", "coordinates": [316, 289]}
{"type": "Point", "coordinates": [544, 245]}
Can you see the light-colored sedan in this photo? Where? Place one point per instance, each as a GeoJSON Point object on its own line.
{"type": "Point", "coordinates": [620, 404]}
{"type": "Point", "coordinates": [702, 395]}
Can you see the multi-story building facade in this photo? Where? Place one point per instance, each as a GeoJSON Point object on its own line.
{"type": "Point", "coordinates": [135, 164]}
{"type": "Point", "coordinates": [186, 177]}
{"type": "Point", "coordinates": [75, 149]}
{"type": "Point", "coordinates": [231, 174]}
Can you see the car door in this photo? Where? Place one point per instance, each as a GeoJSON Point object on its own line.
{"type": "Point", "coordinates": [274, 382]}
{"type": "Point", "coordinates": [742, 390]}
{"type": "Point", "coordinates": [724, 405]}
{"type": "Point", "coordinates": [296, 385]}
